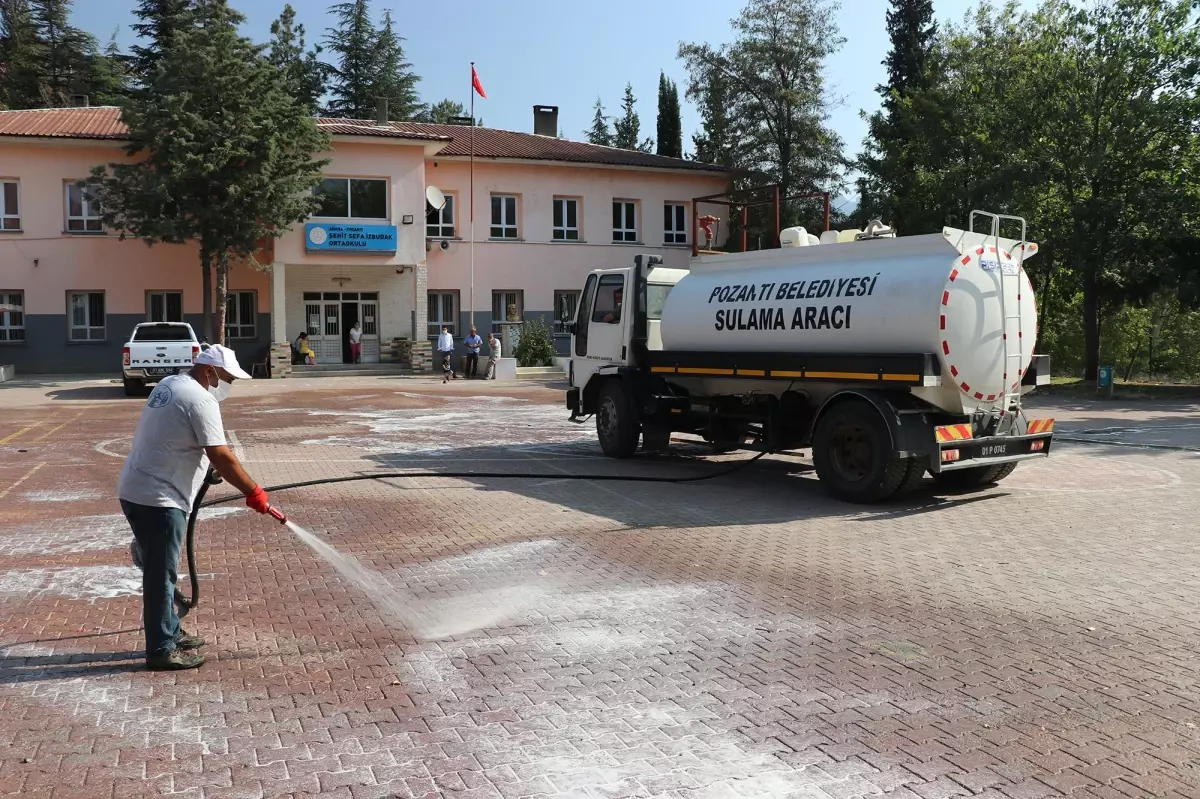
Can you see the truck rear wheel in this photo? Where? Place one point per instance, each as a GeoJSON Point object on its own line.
{"type": "Point", "coordinates": [616, 424]}
{"type": "Point", "coordinates": [852, 453]}
{"type": "Point", "coordinates": [974, 477]}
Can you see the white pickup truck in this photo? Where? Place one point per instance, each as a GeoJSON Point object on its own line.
{"type": "Point", "coordinates": [156, 350]}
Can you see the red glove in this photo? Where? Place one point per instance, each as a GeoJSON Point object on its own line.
{"type": "Point", "coordinates": [257, 500]}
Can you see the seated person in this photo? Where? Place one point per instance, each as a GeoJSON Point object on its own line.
{"type": "Point", "coordinates": [302, 349]}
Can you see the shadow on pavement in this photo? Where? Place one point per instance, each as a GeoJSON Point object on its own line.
{"type": "Point", "coordinates": [38, 668]}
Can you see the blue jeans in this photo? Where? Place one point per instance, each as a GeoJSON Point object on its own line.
{"type": "Point", "coordinates": [159, 533]}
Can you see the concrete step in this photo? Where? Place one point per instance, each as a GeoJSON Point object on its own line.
{"type": "Point", "coordinates": [350, 370]}
{"type": "Point", "coordinates": [539, 373]}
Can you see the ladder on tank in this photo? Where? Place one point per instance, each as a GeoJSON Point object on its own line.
{"type": "Point", "coordinates": [1011, 396]}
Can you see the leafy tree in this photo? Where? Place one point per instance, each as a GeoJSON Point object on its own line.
{"type": "Point", "coordinates": [158, 22]}
{"type": "Point", "coordinates": [893, 147]}
{"type": "Point", "coordinates": [220, 153]}
{"type": "Point", "coordinates": [670, 124]}
{"type": "Point", "coordinates": [715, 143]}
{"type": "Point", "coordinates": [535, 347]}
{"type": "Point", "coordinates": [395, 80]}
{"type": "Point", "coordinates": [444, 112]}
{"type": "Point", "coordinates": [353, 44]}
{"type": "Point", "coordinates": [775, 88]}
{"type": "Point", "coordinates": [600, 132]}
{"type": "Point", "coordinates": [302, 69]}
{"type": "Point", "coordinates": [627, 129]}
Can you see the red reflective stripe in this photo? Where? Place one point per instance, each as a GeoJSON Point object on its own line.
{"type": "Point", "coordinates": [978, 395]}
{"type": "Point", "coordinates": [943, 321]}
{"type": "Point", "coordinates": [946, 347]}
{"type": "Point", "coordinates": [979, 251]}
{"type": "Point", "coordinates": [945, 298]}
{"type": "Point", "coordinates": [966, 260]}
{"type": "Point", "coordinates": [991, 397]}
{"type": "Point", "coordinates": [965, 387]}
{"type": "Point", "coordinates": [953, 370]}
{"type": "Point", "coordinates": [953, 275]}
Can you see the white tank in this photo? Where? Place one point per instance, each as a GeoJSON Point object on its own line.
{"type": "Point", "coordinates": [938, 293]}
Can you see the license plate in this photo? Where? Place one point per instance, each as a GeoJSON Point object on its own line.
{"type": "Point", "coordinates": [160, 371]}
{"type": "Point", "coordinates": [998, 449]}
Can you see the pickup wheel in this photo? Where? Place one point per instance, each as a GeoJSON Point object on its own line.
{"type": "Point", "coordinates": [616, 424]}
{"type": "Point", "coordinates": [133, 388]}
{"type": "Point", "coordinates": [852, 452]}
{"type": "Point", "coordinates": [974, 477]}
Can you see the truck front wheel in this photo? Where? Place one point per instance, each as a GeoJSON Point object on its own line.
{"type": "Point", "coordinates": [852, 452]}
{"type": "Point", "coordinates": [974, 477]}
{"type": "Point", "coordinates": [616, 424]}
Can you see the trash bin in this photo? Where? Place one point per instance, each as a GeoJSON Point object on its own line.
{"type": "Point", "coordinates": [1104, 381]}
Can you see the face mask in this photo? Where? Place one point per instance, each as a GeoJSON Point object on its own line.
{"type": "Point", "coordinates": [221, 390]}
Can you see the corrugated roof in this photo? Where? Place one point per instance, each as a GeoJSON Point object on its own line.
{"type": "Point", "coordinates": [104, 122]}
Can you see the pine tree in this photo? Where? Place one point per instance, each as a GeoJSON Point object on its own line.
{"type": "Point", "coordinates": [715, 143]}
{"type": "Point", "coordinates": [395, 80]}
{"type": "Point", "coordinates": [627, 129]}
{"type": "Point", "coordinates": [159, 21]}
{"type": "Point", "coordinates": [245, 168]}
{"type": "Point", "coordinates": [353, 44]}
{"type": "Point", "coordinates": [670, 123]}
{"type": "Point", "coordinates": [302, 69]}
{"type": "Point", "coordinates": [600, 133]}
{"type": "Point", "coordinates": [444, 112]}
{"type": "Point", "coordinates": [20, 57]}
{"type": "Point", "coordinates": [889, 162]}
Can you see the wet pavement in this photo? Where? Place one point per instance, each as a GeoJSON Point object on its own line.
{"type": "Point", "coordinates": [744, 636]}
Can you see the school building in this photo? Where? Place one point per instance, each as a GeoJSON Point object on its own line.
{"type": "Point", "coordinates": [546, 212]}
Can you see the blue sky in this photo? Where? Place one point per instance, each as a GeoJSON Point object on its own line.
{"type": "Point", "coordinates": [566, 54]}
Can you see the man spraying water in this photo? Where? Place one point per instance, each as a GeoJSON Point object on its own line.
{"type": "Point", "coordinates": [180, 425]}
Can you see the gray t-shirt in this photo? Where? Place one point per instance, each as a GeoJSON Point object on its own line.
{"type": "Point", "coordinates": [166, 463]}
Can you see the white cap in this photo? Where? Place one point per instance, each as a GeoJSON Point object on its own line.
{"type": "Point", "coordinates": [223, 358]}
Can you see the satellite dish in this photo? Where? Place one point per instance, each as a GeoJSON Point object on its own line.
{"type": "Point", "coordinates": [434, 196]}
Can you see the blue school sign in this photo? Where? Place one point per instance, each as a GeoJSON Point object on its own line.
{"type": "Point", "coordinates": [321, 237]}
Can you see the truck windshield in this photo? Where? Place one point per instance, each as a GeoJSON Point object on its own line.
{"type": "Point", "coordinates": [656, 298]}
{"type": "Point", "coordinates": [162, 333]}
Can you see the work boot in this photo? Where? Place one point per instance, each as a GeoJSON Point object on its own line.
{"type": "Point", "coordinates": [186, 641]}
{"type": "Point", "coordinates": [175, 660]}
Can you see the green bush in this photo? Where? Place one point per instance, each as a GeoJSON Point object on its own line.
{"type": "Point", "coordinates": [536, 346]}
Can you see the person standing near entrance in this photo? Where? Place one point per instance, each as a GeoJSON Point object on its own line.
{"type": "Point", "coordinates": [473, 342]}
{"type": "Point", "coordinates": [446, 350]}
{"type": "Point", "coordinates": [356, 343]}
{"type": "Point", "coordinates": [493, 356]}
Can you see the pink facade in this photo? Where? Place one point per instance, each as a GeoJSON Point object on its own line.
{"type": "Point", "coordinates": [82, 290]}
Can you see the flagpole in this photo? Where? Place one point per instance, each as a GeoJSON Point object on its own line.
{"type": "Point", "coordinates": [472, 197]}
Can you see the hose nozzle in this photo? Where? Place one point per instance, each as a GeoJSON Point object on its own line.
{"type": "Point", "coordinates": [277, 514]}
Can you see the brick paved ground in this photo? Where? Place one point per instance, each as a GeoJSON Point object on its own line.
{"type": "Point", "coordinates": [741, 637]}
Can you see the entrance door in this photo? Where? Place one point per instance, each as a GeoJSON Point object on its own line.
{"type": "Point", "coordinates": [349, 319]}
{"type": "Point", "coordinates": [329, 348]}
{"type": "Point", "coordinates": [369, 311]}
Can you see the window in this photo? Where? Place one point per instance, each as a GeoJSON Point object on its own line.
{"type": "Point", "coordinates": [675, 223]}
{"type": "Point", "coordinates": [565, 303]}
{"type": "Point", "coordinates": [87, 315]}
{"type": "Point", "coordinates": [83, 213]}
{"type": "Point", "coordinates": [162, 332]}
{"type": "Point", "coordinates": [504, 216]}
{"type": "Point", "coordinates": [440, 224]}
{"type": "Point", "coordinates": [10, 206]}
{"type": "Point", "coordinates": [443, 312]}
{"type": "Point", "coordinates": [164, 306]}
{"type": "Point", "coordinates": [12, 316]}
{"type": "Point", "coordinates": [352, 198]}
{"type": "Point", "coordinates": [609, 298]}
{"type": "Point", "coordinates": [566, 219]}
{"type": "Point", "coordinates": [624, 221]}
{"type": "Point", "coordinates": [239, 315]}
{"type": "Point", "coordinates": [656, 299]}
{"type": "Point", "coordinates": [501, 301]}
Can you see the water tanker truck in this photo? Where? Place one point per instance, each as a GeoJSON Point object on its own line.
{"type": "Point", "coordinates": [889, 356]}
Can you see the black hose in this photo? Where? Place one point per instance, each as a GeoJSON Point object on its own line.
{"type": "Point", "coordinates": [212, 478]}
{"type": "Point", "coordinates": [541, 476]}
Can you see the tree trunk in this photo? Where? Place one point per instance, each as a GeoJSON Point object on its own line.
{"type": "Point", "coordinates": [222, 296]}
{"type": "Point", "coordinates": [207, 292]}
{"type": "Point", "coordinates": [1091, 323]}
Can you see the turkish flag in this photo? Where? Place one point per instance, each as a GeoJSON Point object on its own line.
{"type": "Point", "coordinates": [477, 84]}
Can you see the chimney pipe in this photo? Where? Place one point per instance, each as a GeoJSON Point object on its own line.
{"type": "Point", "coordinates": [545, 120]}
{"type": "Point", "coordinates": [381, 111]}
